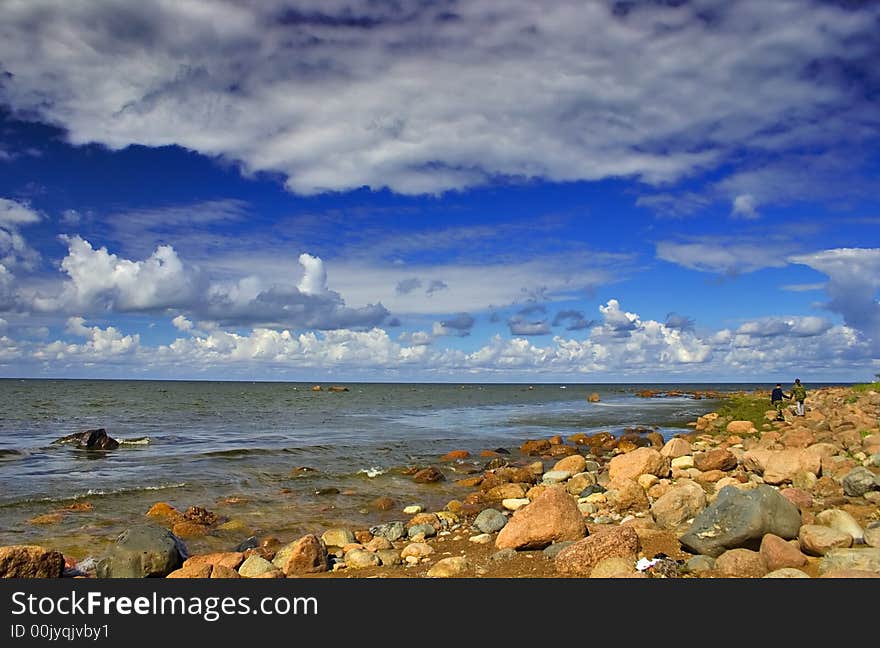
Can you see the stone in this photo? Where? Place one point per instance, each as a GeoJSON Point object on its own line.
{"type": "Point", "coordinates": [675, 448]}
{"type": "Point", "coordinates": [682, 463]}
{"type": "Point", "coordinates": [640, 461]}
{"type": "Point", "coordinates": [779, 553]}
{"type": "Point", "coordinates": [699, 564]}
{"type": "Point", "coordinates": [859, 481]}
{"type": "Point", "coordinates": [361, 559]}
{"type": "Point", "coordinates": [256, 566]}
{"type": "Point", "coordinates": [428, 475]}
{"type": "Point", "coordinates": [516, 503]}
{"type": "Point", "coordinates": [739, 518]}
{"type": "Point", "coordinates": [786, 572]}
{"type": "Point", "coordinates": [553, 550]}
{"type": "Point", "coordinates": [593, 398]}
{"type": "Point", "coordinates": [421, 530]}
{"type": "Point", "coordinates": [555, 476]}
{"type": "Point", "coordinates": [392, 531]}
{"type": "Point", "coordinates": [230, 559]}
{"type": "Point", "coordinates": [143, 551]}
{"type": "Point", "coordinates": [200, 570]}
{"type": "Point", "coordinates": [490, 521]}
{"type": "Point", "coordinates": [717, 459]}
{"type": "Point", "coordinates": [573, 465]}
{"type": "Point", "coordinates": [614, 567]}
{"type": "Point", "coordinates": [682, 502]}
{"type": "Point", "coordinates": [741, 427]}
{"type": "Point", "coordinates": [797, 496]}
{"type": "Point", "coordinates": [625, 495]}
{"type": "Point", "coordinates": [579, 482]}
{"type": "Point", "coordinates": [412, 509]}
{"type": "Point", "coordinates": [378, 544]}
{"type": "Point", "coordinates": [384, 504]}
{"type": "Point", "coordinates": [450, 567]}
{"type": "Point", "coordinates": [842, 521]}
{"type": "Point", "coordinates": [30, 561]}
{"type": "Point", "coordinates": [455, 454]}
{"type": "Point", "coordinates": [741, 563]}
{"type": "Point", "coordinates": [872, 536]}
{"type": "Point", "coordinates": [389, 557]}
{"type": "Point", "coordinates": [417, 550]}
{"type": "Point", "coordinates": [186, 529]}
{"type": "Point", "coordinates": [482, 538]}
{"type": "Point", "coordinates": [165, 513]}
{"type": "Point", "coordinates": [580, 558]}
{"type": "Point", "coordinates": [503, 555]}
{"type": "Point", "coordinates": [864, 559]}
{"type": "Point", "coordinates": [535, 447]}
{"type": "Point", "coordinates": [506, 491]}
{"type": "Point", "coordinates": [552, 517]}
{"type": "Point", "coordinates": [850, 573]}
{"type": "Point", "coordinates": [818, 540]}
{"type": "Point", "coordinates": [337, 537]}
{"type": "Point", "coordinates": [307, 555]}
{"type": "Point", "coordinates": [96, 439]}
{"type": "Point", "coordinates": [784, 465]}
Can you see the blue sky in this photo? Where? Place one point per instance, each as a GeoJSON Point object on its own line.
{"type": "Point", "coordinates": [338, 190]}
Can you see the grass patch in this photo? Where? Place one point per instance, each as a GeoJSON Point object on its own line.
{"type": "Point", "coordinates": [746, 407]}
{"type": "Point", "coordinates": [865, 387]}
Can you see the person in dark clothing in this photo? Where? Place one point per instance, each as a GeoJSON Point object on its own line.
{"type": "Point", "coordinates": [776, 398]}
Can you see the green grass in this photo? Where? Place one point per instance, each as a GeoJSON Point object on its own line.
{"type": "Point", "coordinates": [863, 387]}
{"type": "Point", "coordinates": [746, 407]}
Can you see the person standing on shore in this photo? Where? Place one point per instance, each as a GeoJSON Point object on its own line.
{"type": "Point", "coordinates": [799, 394]}
{"type": "Point", "coordinates": [776, 398]}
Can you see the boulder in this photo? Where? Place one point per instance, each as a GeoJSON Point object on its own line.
{"type": "Point", "coordinates": [842, 521]}
{"type": "Point", "coordinates": [784, 465]}
{"type": "Point", "coordinates": [256, 566]}
{"type": "Point", "coordinates": [683, 501]}
{"type": "Point", "coordinates": [361, 559]}
{"type": "Point", "coordinates": [818, 540]}
{"type": "Point", "coordinates": [675, 448]}
{"type": "Point", "coordinates": [30, 561]}
{"type": "Point", "coordinates": [391, 530]}
{"type": "Point", "coordinates": [490, 521]}
{"type": "Point", "coordinates": [97, 439]}
{"type": "Point", "coordinates": [859, 481]}
{"type": "Point", "coordinates": [337, 537]}
{"type": "Point", "coordinates": [552, 517]}
{"type": "Point", "coordinates": [863, 559]}
{"type": "Point", "coordinates": [741, 427]}
{"type": "Point", "coordinates": [143, 551]}
{"type": "Point", "coordinates": [626, 495]}
{"type": "Point", "coordinates": [307, 555]}
{"type": "Point", "coordinates": [640, 461]}
{"type": "Point", "coordinates": [779, 553]}
{"type": "Point", "coordinates": [717, 459]}
{"type": "Point", "coordinates": [428, 475]}
{"type": "Point", "coordinates": [580, 558]}
{"type": "Point", "coordinates": [741, 518]}
{"type": "Point", "coordinates": [573, 464]}
{"type": "Point", "coordinates": [450, 567]}
{"type": "Point", "coordinates": [741, 563]}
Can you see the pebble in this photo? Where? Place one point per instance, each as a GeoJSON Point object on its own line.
{"type": "Point", "coordinates": [514, 503]}
{"type": "Point", "coordinates": [483, 538]}
{"type": "Point", "coordinates": [413, 509]}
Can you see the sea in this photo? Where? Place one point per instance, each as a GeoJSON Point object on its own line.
{"type": "Point", "coordinates": [279, 459]}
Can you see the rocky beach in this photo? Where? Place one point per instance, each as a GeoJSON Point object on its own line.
{"type": "Point", "coordinates": [747, 497]}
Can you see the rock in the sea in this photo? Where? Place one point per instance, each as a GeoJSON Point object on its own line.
{"type": "Point", "coordinates": [818, 540]}
{"type": "Point", "coordinates": [490, 521]}
{"type": "Point", "coordinates": [143, 551]}
{"type": "Point", "coordinates": [30, 561]}
{"type": "Point", "coordinates": [859, 481]}
{"type": "Point", "coordinates": [97, 439]}
{"type": "Point", "coordinates": [552, 517]}
{"type": "Point", "coordinates": [428, 475]}
{"type": "Point", "coordinates": [682, 502]}
{"type": "Point", "coordinates": [390, 531]}
{"type": "Point", "coordinates": [863, 559]}
{"type": "Point", "coordinates": [580, 558]}
{"type": "Point", "coordinates": [450, 567]}
{"type": "Point", "coordinates": [308, 555]}
{"type": "Point", "coordinates": [741, 563]}
{"type": "Point", "coordinates": [741, 518]}
{"type": "Point", "coordinates": [779, 553]}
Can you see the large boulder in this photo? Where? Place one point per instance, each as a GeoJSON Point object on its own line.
{"type": "Point", "coordinates": [675, 448]}
{"type": "Point", "coordinates": [818, 540]}
{"type": "Point", "coordinates": [859, 481]}
{"type": "Point", "coordinates": [96, 439]}
{"type": "Point", "coordinates": [626, 495]}
{"type": "Point", "coordinates": [141, 552]}
{"type": "Point", "coordinates": [842, 521]}
{"type": "Point", "coordinates": [784, 465]}
{"type": "Point", "coordinates": [641, 461]}
{"type": "Point", "coordinates": [683, 501]}
{"type": "Point", "coordinates": [580, 558]}
{"type": "Point", "coordinates": [30, 561]}
{"type": "Point", "coordinates": [717, 459]}
{"type": "Point", "coordinates": [741, 518]}
{"type": "Point", "coordinates": [308, 555]}
{"type": "Point", "coordinates": [552, 517]}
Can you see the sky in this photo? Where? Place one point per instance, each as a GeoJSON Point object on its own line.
{"type": "Point", "coordinates": [340, 190]}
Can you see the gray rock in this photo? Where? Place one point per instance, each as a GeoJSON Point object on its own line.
{"type": "Point", "coordinates": [503, 555]}
{"type": "Point", "coordinates": [490, 521]}
{"type": "Point", "coordinates": [143, 551]}
{"type": "Point", "coordinates": [739, 519]}
{"type": "Point", "coordinates": [592, 466]}
{"type": "Point", "coordinates": [859, 481]}
{"type": "Point", "coordinates": [390, 531]}
{"type": "Point", "coordinates": [361, 558]}
{"type": "Point", "coordinates": [426, 530]}
{"type": "Point", "coordinates": [864, 559]}
{"type": "Point", "coordinates": [553, 550]}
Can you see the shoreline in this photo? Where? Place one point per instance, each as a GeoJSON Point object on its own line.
{"type": "Point", "coordinates": [581, 506]}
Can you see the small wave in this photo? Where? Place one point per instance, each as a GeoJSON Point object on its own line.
{"type": "Point", "coordinates": [137, 441]}
{"type": "Point", "coordinates": [94, 492]}
{"type": "Point", "coordinates": [11, 453]}
{"type": "Point", "coordinates": [374, 471]}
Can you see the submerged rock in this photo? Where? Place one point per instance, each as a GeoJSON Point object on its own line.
{"type": "Point", "coordinates": [96, 439]}
{"type": "Point", "coordinates": [141, 552]}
